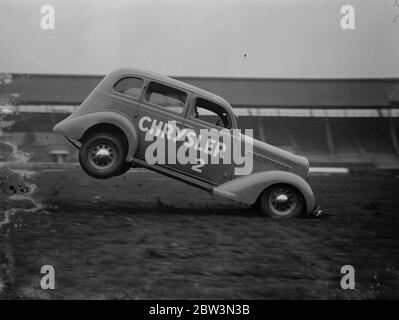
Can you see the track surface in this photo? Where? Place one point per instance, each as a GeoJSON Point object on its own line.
{"type": "Point", "coordinates": [144, 236]}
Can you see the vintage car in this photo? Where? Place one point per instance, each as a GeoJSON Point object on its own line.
{"type": "Point", "coordinates": [130, 110]}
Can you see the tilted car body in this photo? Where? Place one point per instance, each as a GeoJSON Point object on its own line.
{"type": "Point", "coordinates": [112, 126]}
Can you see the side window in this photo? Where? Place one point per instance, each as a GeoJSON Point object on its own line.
{"type": "Point", "coordinates": [166, 97]}
{"type": "Point", "coordinates": [130, 86]}
{"type": "Point", "coordinates": [211, 112]}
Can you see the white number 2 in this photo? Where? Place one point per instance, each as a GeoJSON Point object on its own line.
{"type": "Point", "coordinates": [197, 167]}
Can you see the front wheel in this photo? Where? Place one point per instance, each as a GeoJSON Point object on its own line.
{"type": "Point", "coordinates": [102, 155]}
{"type": "Point", "coordinates": [281, 201]}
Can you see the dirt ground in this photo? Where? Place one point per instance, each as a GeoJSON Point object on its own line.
{"type": "Point", "coordinates": [144, 236]}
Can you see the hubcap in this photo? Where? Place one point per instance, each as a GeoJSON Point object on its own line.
{"type": "Point", "coordinates": [102, 156]}
{"type": "Point", "coordinates": [281, 198]}
{"type": "Point", "coordinates": [283, 201]}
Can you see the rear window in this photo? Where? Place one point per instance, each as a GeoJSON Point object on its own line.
{"type": "Point", "coordinates": [130, 86]}
{"type": "Point", "coordinates": [166, 97]}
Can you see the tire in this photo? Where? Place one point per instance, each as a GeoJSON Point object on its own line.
{"type": "Point", "coordinates": [124, 168]}
{"type": "Point", "coordinates": [103, 155]}
{"type": "Point", "coordinates": [281, 201]}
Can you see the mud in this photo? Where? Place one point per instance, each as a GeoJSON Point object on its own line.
{"type": "Point", "coordinates": [144, 236]}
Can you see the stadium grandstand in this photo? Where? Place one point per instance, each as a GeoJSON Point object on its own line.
{"type": "Point", "coordinates": [334, 121]}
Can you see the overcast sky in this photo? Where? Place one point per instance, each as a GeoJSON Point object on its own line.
{"type": "Point", "coordinates": [224, 38]}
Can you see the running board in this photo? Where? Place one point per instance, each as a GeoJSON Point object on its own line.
{"type": "Point", "coordinates": [175, 175]}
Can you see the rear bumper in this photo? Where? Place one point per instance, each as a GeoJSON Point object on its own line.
{"type": "Point", "coordinates": [73, 143]}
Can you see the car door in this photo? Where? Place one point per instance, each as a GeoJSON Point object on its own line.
{"type": "Point", "coordinates": [202, 116]}
{"type": "Point", "coordinates": [162, 107]}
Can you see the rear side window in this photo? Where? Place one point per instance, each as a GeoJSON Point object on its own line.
{"type": "Point", "coordinates": [130, 86]}
{"type": "Point", "coordinates": [166, 97]}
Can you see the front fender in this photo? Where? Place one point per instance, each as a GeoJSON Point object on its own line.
{"type": "Point", "coordinates": [246, 189]}
{"type": "Point", "coordinates": [74, 127]}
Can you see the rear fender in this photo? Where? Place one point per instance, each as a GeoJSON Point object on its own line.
{"type": "Point", "coordinates": [246, 189]}
{"type": "Point", "coordinates": [75, 127]}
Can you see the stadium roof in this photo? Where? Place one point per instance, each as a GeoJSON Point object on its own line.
{"type": "Point", "coordinates": [31, 89]}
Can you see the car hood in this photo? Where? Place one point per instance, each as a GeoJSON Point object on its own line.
{"type": "Point", "coordinates": [266, 156]}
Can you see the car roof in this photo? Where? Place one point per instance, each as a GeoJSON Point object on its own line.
{"type": "Point", "coordinates": [117, 74]}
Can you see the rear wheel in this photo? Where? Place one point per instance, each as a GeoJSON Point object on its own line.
{"type": "Point", "coordinates": [124, 168]}
{"type": "Point", "coordinates": [281, 201]}
{"type": "Point", "coordinates": [102, 155]}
